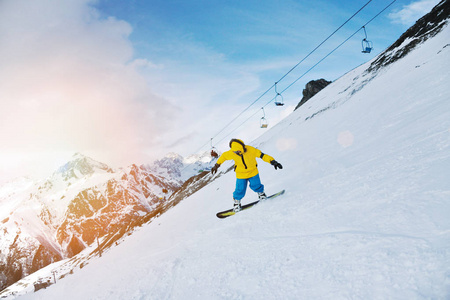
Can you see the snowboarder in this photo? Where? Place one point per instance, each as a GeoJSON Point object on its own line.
{"type": "Point", "coordinates": [245, 166]}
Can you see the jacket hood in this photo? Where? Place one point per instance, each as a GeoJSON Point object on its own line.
{"type": "Point", "coordinates": [237, 145]}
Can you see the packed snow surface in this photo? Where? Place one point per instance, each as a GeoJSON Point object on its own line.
{"type": "Point", "coordinates": [365, 214]}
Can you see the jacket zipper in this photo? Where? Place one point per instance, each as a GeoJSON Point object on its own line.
{"type": "Point", "coordinates": [243, 161]}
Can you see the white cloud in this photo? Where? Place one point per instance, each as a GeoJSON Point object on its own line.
{"type": "Point", "coordinates": [412, 12]}
{"type": "Point", "coordinates": [69, 83]}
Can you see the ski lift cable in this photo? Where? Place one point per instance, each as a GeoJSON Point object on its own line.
{"type": "Point", "coordinates": [322, 59]}
{"type": "Point", "coordinates": [378, 14]}
{"type": "Point", "coordinates": [290, 85]}
{"type": "Point", "coordinates": [302, 60]}
{"type": "Point", "coordinates": [295, 81]}
{"type": "Point", "coordinates": [274, 85]}
{"type": "Point", "coordinates": [332, 51]}
{"type": "Point", "coordinates": [284, 76]}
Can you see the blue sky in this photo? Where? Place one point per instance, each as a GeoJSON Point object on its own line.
{"type": "Point", "coordinates": [243, 31]}
{"type": "Point", "coordinates": [128, 81]}
{"type": "Point", "coordinates": [248, 45]}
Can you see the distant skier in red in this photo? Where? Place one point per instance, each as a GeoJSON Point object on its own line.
{"type": "Point", "coordinates": [246, 169]}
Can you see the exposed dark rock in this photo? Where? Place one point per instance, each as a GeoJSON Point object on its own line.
{"type": "Point", "coordinates": [75, 246]}
{"type": "Point", "coordinates": [42, 285]}
{"type": "Point", "coordinates": [43, 258]}
{"type": "Point", "coordinates": [312, 88]}
{"type": "Point", "coordinates": [425, 28]}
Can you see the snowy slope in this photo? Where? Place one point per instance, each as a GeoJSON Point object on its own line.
{"type": "Point", "coordinates": [366, 169]}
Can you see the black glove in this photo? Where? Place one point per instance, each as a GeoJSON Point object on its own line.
{"type": "Point", "coordinates": [214, 169]}
{"type": "Point", "coordinates": [276, 164]}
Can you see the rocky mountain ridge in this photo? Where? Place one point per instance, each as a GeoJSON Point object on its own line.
{"type": "Point", "coordinates": [82, 202]}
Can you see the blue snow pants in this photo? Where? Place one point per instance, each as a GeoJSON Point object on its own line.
{"type": "Point", "coordinates": [241, 186]}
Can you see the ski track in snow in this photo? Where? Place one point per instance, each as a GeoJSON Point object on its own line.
{"type": "Point", "coordinates": [366, 218]}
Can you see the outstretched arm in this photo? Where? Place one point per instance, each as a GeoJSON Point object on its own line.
{"type": "Point", "coordinates": [221, 160]}
{"type": "Point", "coordinates": [269, 159]}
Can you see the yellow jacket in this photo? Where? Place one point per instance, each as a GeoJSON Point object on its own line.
{"type": "Point", "coordinates": [245, 164]}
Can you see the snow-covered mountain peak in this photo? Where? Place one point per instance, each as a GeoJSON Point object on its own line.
{"type": "Point", "coordinates": [169, 166]}
{"type": "Point", "coordinates": [174, 156]}
{"type": "Point", "coordinates": [177, 167]}
{"type": "Point", "coordinates": [80, 166]}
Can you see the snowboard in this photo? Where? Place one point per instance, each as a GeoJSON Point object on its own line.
{"type": "Point", "coordinates": [230, 212]}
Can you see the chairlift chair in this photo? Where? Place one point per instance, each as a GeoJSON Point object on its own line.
{"type": "Point", "coordinates": [214, 153]}
{"type": "Point", "coordinates": [263, 122]}
{"type": "Point", "coordinates": [367, 45]}
{"type": "Point", "coordinates": [278, 98]}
